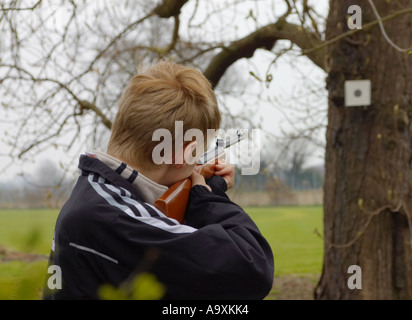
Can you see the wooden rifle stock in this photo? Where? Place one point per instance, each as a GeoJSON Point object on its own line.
{"type": "Point", "coordinates": [174, 201]}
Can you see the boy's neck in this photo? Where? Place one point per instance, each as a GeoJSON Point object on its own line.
{"type": "Point", "coordinates": [158, 175]}
{"type": "Point", "coordinates": [165, 174]}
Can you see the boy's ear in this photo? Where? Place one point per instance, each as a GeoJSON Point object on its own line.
{"type": "Point", "coordinates": [188, 152]}
{"type": "Point", "coordinates": [181, 158]}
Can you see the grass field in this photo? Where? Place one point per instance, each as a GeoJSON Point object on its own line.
{"type": "Point", "coordinates": [290, 231]}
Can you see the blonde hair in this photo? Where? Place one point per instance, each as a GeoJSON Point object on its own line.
{"type": "Point", "coordinates": [155, 99]}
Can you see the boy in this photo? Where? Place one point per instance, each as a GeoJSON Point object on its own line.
{"type": "Point", "coordinates": [109, 230]}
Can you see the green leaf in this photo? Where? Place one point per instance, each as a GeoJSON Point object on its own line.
{"type": "Point", "coordinates": [109, 292]}
{"type": "Point", "coordinates": [147, 287]}
{"type": "Point", "coordinates": [144, 286]}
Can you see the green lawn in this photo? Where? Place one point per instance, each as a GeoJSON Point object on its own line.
{"type": "Point", "coordinates": [289, 231]}
{"type": "Point", "coordinates": [25, 231]}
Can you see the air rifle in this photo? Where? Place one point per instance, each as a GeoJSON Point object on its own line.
{"type": "Point", "coordinates": [174, 201]}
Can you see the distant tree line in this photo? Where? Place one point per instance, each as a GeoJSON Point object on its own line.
{"type": "Point", "coordinates": [48, 187]}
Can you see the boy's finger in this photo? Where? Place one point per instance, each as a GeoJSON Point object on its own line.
{"type": "Point", "coordinates": [197, 178]}
{"type": "Point", "coordinates": [224, 167]}
{"type": "Point", "coordinates": [223, 171]}
{"type": "Point", "coordinates": [221, 166]}
{"type": "Point", "coordinates": [197, 170]}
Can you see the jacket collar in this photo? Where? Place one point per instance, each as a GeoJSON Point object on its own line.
{"type": "Point", "coordinates": [121, 175]}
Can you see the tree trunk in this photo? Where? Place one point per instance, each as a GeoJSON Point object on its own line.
{"type": "Point", "coordinates": [368, 185]}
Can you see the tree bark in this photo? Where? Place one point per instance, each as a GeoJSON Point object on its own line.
{"type": "Point", "coordinates": [368, 184]}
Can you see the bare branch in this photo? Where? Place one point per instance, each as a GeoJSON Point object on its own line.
{"type": "Point", "coordinates": [383, 31]}
{"type": "Point", "coordinates": [55, 134]}
{"type": "Point", "coordinates": [90, 106]}
{"type": "Point", "coordinates": [114, 40]}
{"type": "Point", "coordinates": [21, 9]}
{"type": "Point", "coordinates": [169, 8]}
{"type": "Point", "coordinates": [175, 36]}
{"type": "Point", "coordinates": [263, 38]}
{"type": "Point", "coordinates": [83, 104]}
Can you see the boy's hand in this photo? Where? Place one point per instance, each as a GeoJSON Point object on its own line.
{"type": "Point", "coordinates": [227, 171]}
{"type": "Point", "coordinates": [198, 179]}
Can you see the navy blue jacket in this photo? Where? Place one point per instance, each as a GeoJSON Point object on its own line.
{"type": "Point", "coordinates": [105, 234]}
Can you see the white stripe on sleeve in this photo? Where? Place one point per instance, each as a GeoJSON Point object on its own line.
{"type": "Point", "coordinates": [145, 218]}
{"type": "Point", "coordinates": [74, 245]}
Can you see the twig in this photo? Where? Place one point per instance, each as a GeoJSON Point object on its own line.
{"type": "Point", "coordinates": [385, 35]}
{"type": "Point", "coordinates": [22, 9]}
{"type": "Point", "coordinates": [354, 31]}
{"type": "Point", "coordinates": [400, 205]}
